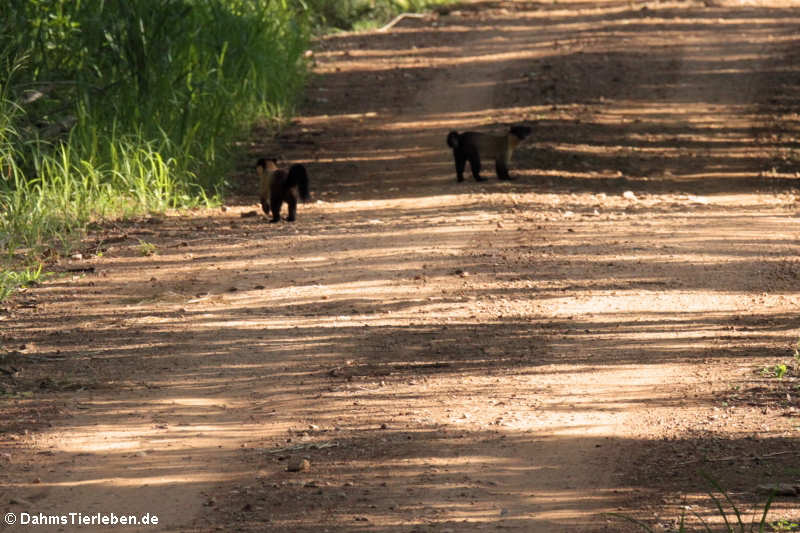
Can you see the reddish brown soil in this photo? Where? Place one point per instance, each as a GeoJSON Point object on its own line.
{"type": "Point", "coordinates": [522, 356]}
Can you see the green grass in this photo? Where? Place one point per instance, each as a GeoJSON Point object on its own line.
{"type": "Point", "coordinates": [147, 248]}
{"type": "Point", "coordinates": [727, 510]}
{"type": "Point", "coordinates": [11, 280]}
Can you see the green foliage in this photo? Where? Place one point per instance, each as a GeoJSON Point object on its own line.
{"type": "Point", "coordinates": [114, 107]}
{"type": "Point", "coordinates": [784, 525]}
{"type": "Point", "coordinates": [11, 280]}
{"type": "Point", "coordinates": [777, 371]}
{"type": "Point", "coordinates": [147, 248]}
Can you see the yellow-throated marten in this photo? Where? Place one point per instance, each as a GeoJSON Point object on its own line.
{"type": "Point", "coordinates": [472, 146]}
{"type": "Point", "coordinates": [278, 185]}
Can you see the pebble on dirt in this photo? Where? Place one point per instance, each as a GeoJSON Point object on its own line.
{"type": "Point", "coordinates": [298, 464]}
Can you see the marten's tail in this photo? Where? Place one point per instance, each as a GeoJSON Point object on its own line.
{"type": "Point", "coordinates": [299, 177]}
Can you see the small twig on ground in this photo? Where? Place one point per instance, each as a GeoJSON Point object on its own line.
{"type": "Point", "coordinates": [400, 17]}
{"type": "Point", "coordinates": [305, 446]}
{"type": "Point", "coordinates": [735, 457]}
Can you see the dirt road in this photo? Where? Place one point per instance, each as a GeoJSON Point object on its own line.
{"type": "Point", "coordinates": [521, 356]}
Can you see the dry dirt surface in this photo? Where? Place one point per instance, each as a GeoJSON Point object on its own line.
{"type": "Point", "coordinates": [420, 355]}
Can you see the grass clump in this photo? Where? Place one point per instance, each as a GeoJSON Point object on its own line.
{"type": "Point", "coordinates": [11, 280]}
{"type": "Point", "coordinates": [733, 521]}
{"type": "Point", "coordinates": [147, 248]}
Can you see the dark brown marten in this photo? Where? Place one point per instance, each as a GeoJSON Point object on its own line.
{"type": "Point", "coordinates": [472, 146]}
{"type": "Point", "coordinates": [278, 185]}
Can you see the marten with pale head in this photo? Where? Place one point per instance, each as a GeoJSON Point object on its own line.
{"type": "Point", "coordinates": [278, 185]}
{"type": "Point", "coordinates": [472, 146]}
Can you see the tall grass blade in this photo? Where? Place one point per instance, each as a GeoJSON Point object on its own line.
{"type": "Point", "coordinates": [719, 488]}
{"type": "Point", "coordinates": [767, 505]}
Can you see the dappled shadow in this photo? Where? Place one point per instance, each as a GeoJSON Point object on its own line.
{"type": "Point", "coordinates": [445, 354]}
{"type": "Point", "coordinates": [247, 342]}
{"type": "Point", "coordinates": [436, 473]}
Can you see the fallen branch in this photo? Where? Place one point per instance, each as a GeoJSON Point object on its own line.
{"type": "Point", "coordinates": [735, 457]}
{"type": "Point", "coordinates": [400, 17]}
{"type": "Point", "coordinates": [304, 446]}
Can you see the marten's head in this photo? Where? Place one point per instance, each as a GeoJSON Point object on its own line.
{"type": "Point", "coordinates": [452, 139]}
{"type": "Point", "coordinates": [266, 165]}
{"type": "Point", "coordinates": [520, 132]}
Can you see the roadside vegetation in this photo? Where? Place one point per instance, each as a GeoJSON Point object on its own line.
{"type": "Point", "coordinates": [119, 108]}
{"type": "Point", "coordinates": [113, 109]}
